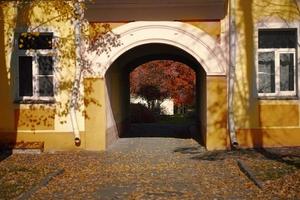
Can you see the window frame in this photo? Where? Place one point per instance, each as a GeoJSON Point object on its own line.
{"type": "Point", "coordinates": [277, 51]}
{"type": "Point", "coordinates": [35, 54]}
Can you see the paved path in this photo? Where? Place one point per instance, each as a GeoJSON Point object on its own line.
{"type": "Point", "coordinates": [142, 168]}
{"type": "Point", "coordinates": [147, 168]}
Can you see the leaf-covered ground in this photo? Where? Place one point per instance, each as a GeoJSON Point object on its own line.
{"type": "Point", "coordinates": [153, 168]}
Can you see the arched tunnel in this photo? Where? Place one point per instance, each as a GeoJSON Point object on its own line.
{"type": "Point", "coordinates": [118, 90]}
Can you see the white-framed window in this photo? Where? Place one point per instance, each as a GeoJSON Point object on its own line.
{"type": "Point", "coordinates": [35, 66]}
{"type": "Point", "coordinates": [277, 62]}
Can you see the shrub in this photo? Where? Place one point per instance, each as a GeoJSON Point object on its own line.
{"type": "Point", "coordinates": [141, 114]}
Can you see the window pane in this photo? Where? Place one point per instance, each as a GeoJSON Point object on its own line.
{"type": "Point", "coordinates": [46, 86]}
{"type": "Point", "coordinates": [35, 41]}
{"type": "Point", "coordinates": [266, 72]}
{"type": "Point", "coordinates": [25, 76]}
{"type": "Point", "coordinates": [277, 38]}
{"type": "Point", "coordinates": [287, 72]}
{"type": "Point", "coordinates": [45, 65]}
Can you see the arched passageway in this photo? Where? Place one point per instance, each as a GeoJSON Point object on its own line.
{"type": "Point", "coordinates": [145, 41]}
{"type": "Point", "coordinates": [118, 94]}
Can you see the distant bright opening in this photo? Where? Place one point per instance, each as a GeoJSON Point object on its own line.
{"type": "Point", "coordinates": [166, 89]}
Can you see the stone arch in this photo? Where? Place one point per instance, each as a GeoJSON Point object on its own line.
{"type": "Point", "coordinates": [192, 40]}
{"type": "Point", "coordinates": [185, 39]}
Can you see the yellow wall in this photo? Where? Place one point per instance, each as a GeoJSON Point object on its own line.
{"type": "Point", "coordinates": [268, 137]}
{"type": "Point", "coordinates": [93, 138]}
{"type": "Point", "coordinates": [278, 115]}
{"type": "Point", "coordinates": [6, 94]}
{"type": "Point", "coordinates": [38, 122]}
{"type": "Point", "coordinates": [216, 135]}
{"type": "Point", "coordinates": [213, 28]}
{"type": "Point", "coordinates": [95, 123]}
{"type": "Point", "coordinates": [258, 122]}
{"type": "Point", "coordinates": [32, 119]}
{"type": "Point", "coordinates": [49, 123]}
{"type": "Point", "coordinates": [271, 120]}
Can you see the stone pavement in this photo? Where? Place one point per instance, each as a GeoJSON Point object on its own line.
{"type": "Point", "coordinates": [138, 168]}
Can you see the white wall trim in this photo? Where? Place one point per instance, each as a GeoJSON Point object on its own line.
{"type": "Point", "coordinates": [206, 50]}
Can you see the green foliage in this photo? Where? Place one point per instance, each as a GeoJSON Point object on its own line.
{"type": "Point", "coordinates": [141, 114]}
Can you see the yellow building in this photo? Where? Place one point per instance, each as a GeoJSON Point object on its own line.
{"type": "Point", "coordinates": [65, 68]}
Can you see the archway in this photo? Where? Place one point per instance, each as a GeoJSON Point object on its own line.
{"type": "Point", "coordinates": [145, 41]}
{"type": "Point", "coordinates": [117, 82]}
{"type": "Point", "coordinates": [190, 39]}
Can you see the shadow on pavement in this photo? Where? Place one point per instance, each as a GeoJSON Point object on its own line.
{"type": "Point", "coordinates": [289, 156]}
{"type": "Point", "coordinates": [190, 150]}
{"type": "Point", "coordinates": [5, 154]}
{"type": "Point", "coordinates": [158, 130]}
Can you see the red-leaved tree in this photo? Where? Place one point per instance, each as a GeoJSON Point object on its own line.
{"type": "Point", "coordinates": [172, 79]}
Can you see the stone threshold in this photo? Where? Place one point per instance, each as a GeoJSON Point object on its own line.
{"type": "Point", "coordinates": [34, 147]}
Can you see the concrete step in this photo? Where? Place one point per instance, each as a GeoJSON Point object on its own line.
{"type": "Point", "coordinates": [33, 147]}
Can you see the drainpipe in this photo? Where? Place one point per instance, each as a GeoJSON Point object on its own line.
{"type": "Point", "coordinates": [231, 73]}
{"type": "Point", "coordinates": [77, 76]}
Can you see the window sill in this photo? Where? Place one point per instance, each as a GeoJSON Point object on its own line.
{"type": "Point", "coordinates": [34, 101]}
{"type": "Point", "coordinates": [278, 97]}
